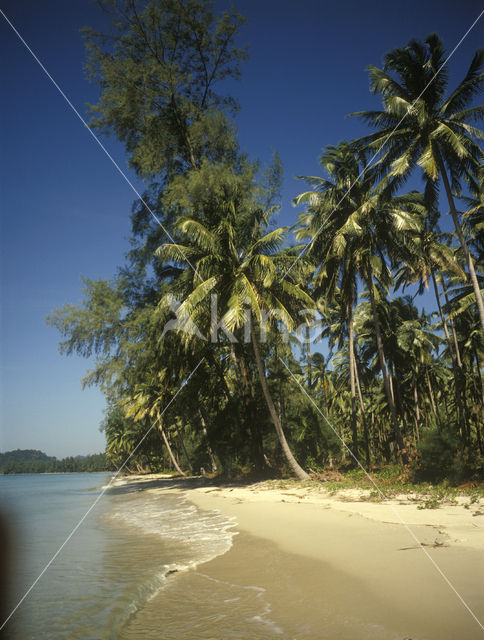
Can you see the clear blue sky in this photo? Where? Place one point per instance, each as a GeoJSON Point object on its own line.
{"type": "Point", "coordinates": [65, 208]}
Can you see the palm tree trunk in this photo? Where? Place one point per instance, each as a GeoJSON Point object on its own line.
{"type": "Point", "coordinates": [398, 396]}
{"type": "Point", "coordinates": [479, 375]}
{"type": "Point", "coordinates": [170, 452]}
{"type": "Point", "coordinates": [298, 470]}
{"type": "Point", "coordinates": [207, 441]}
{"type": "Point", "coordinates": [184, 449]}
{"type": "Point", "coordinates": [481, 409]}
{"type": "Point", "coordinates": [463, 243]}
{"type": "Point", "coordinates": [308, 357]}
{"type": "Point", "coordinates": [366, 435]}
{"type": "Point", "coordinates": [250, 417]}
{"type": "Point", "coordinates": [324, 386]}
{"type": "Point", "coordinates": [417, 411]}
{"type": "Point", "coordinates": [415, 401]}
{"type": "Point", "coordinates": [386, 382]}
{"type": "Point", "coordinates": [454, 354]}
{"type": "Point", "coordinates": [456, 344]}
{"type": "Point", "coordinates": [464, 408]}
{"type": "Point", "coordinates": [459, 381]}
{"type": "Point", "coordinates": [454, 335]}
{"type": "Point", "coordinates": [442, 317]}
{"type": "Point", "coordinates": [431, 391]}
{"type": "Point", "coordinates": [390, 379]}
{"type": "Point", "coordinates": [354, 431]}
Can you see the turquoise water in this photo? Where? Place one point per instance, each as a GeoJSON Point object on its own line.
{"type": "Point", "coordinates": [129, 571]}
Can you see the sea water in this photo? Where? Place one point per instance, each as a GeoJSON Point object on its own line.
{"type": "Point", "coordinates": [134, 568]}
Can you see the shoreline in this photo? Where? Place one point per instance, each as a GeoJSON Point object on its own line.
{"type": "Point", "coordinates": [351, 565]}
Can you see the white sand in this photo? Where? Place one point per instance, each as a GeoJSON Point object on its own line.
{"type": "Point", "coordinates": [457, 524]}
{"type": "Point", "coordinates": [369, 563]}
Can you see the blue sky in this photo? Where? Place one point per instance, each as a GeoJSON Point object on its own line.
{"type": "Point", "coordinates": [65, 208]}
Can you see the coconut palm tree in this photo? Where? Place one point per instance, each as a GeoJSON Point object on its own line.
{"type": "Point", "coordinates": [474, 215]}
{"type": "Point", "coordinates": [420, 126]}
{"type": "Point", "coordinates": [235, 258]}
{"type": "Point", "coordinates": [417, 344]}
{"type": "Point", "coordinates": [149, 400]}
{"type": "Point", "coordinates": [352, 233]}
{"type": "Point", "coordinates": [434, 259]}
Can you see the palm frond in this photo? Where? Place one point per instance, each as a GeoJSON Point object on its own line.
{"type": "Point", "coordinates": [381, 82]}
{"type": "Point", "coordinates": [475, 114]}
{"type": "Point", "coordinates": [198, 233]}
{"type": "Point", "coordinates": [428, 161]}
{"type": "Point", "coordinates": [262, 268]}
{"type": "Point", "coordinates": [179, 254]}
{"type": "Point", "coordinates": [188, 306]}
{"type": "Point", "coordinates": [270, 242]}
{"type": "Point", "coordinates": [456, 142]}
{"type": "Point", "coordinates": [470, 86]}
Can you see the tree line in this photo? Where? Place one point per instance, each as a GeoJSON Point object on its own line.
{"type": "Point", "coordinates": [223, 344]}
{"type": "Point", "coordinates": [34, 461]}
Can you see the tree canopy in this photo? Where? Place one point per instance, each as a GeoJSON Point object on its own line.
{"type": "Point", "coordinates": [222, 345]}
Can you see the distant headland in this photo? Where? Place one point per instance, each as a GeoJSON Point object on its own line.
{"type": "Point", "coordinates": [35, 461]}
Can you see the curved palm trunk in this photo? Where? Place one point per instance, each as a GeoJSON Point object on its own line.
{"type": "Point", "coordinates": [383, 366]}
{"type": "Point", "coordinates": [354, 431]}
{"type": "Point", "coordinates": [298, 470]}
{"type": "Point", "coordinates": [170, 452]}
{"type": "Point", "coordinates": [463, 243]}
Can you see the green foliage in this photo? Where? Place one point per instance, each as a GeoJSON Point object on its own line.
{"type": "Point", "coordinates": [33, 461]}
{"type": "Point", "coordinates": [391, 387]}
{"type": "Point", "coordinates": [438, 450]}
{"type": "Point", "coordinates": [441, 456]}
{"type": "Point", "coordinates": [159, 70]}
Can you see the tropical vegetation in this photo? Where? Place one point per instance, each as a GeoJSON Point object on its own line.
{"type": "Point", "coordinates": [226, 344]}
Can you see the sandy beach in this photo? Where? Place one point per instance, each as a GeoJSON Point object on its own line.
{"type": "Point", "coordinates": [343, 567]}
